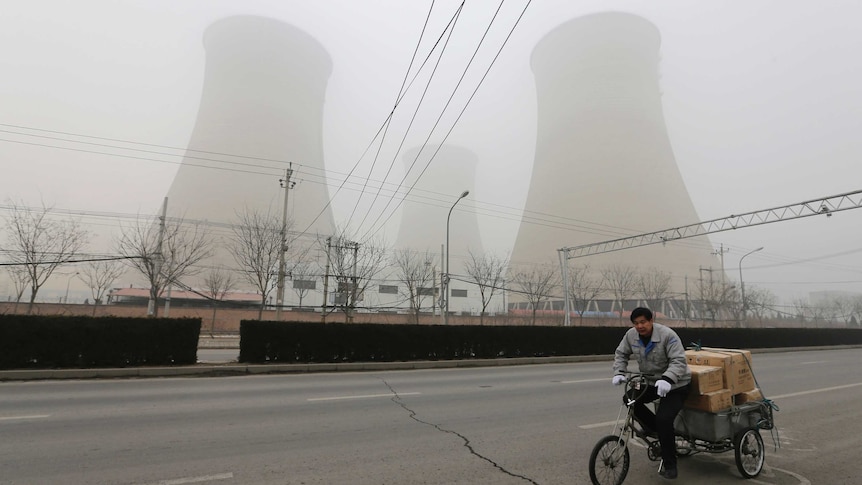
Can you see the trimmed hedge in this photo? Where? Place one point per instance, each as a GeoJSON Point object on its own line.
{"type": "Point", "coordinates": [33, 341]}
{"type": "Point", "coordinates": [337, 342]}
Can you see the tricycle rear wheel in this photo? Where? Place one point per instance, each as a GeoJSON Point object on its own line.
{"type": "Point", "coordinates": [749, 451]}
{"type": "Point", "coordinates": [609, 461]}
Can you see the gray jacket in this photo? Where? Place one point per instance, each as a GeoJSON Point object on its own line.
{"type": "Point", "coordinates": [664, 355]}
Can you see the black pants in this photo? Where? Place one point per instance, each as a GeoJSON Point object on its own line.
{"type": "Point", "coordinates": [662, 421]}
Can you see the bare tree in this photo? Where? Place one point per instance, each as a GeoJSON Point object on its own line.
{"type": "Point", "coordinates": [809, 311]}
{"type": "Point", "coordinates": [583, 289]}
{"type": "Point", "coordinates": [856, 319]}
{"type": "Point", "coordinates": [488, 272]}
{"type": "Point", "coordinates": [183, 246]}
{"type": "Point", "coordinates": [217, 284]}
{"type": "Point", "coordinates": [353, 266]}
{"type": "Point", "coordinates": [304, 276]}
{"type": "Point", "coordinates": [41, 244]}
{"type": "Point", "coordinates": [760, 303]}
{"type": "Point", "coordinates": [19, 278]}
{"type": "Point", "coordinates": [99, 276]}
{"type": "Point", "coordinates": [654, 286]}
{"type": "Point", "coordinates": [800, 306]}
{"type": "Point", "coordinates": [621, 280]}
{"type": "Point", "coordinates": [717, 298]}
{"type": "Point", "coordinates": [536, 283]}
{"type": "Point", "coordinates": [255, 247]}
{"type": "Point", "coordinates": [415, 272]}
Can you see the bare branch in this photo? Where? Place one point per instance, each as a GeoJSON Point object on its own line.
{"type": "Point", "coordinates": [41, 244]}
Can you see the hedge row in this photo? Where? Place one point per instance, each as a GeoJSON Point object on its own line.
{"type": "Point", "coordinates": [315, 342]}
{"type": "Point", "coordinates": [82, 342]}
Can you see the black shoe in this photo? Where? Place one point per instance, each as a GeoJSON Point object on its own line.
{"type": "Point", "coordinates": [669, 473]}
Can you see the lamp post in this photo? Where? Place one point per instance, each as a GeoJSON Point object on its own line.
{"type": "Point", "coordinates": [68, 282]}
{"type": "Point", "coordinates": [742, 284]}
{"type": "Point", "coordinates": [446, 278]}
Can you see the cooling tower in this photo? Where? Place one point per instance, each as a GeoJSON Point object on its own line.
{"type": "Point", "coordinates": [262, 98]}
{"type": "Point", "coordinates": [602, 148]}
{"type": "Point", "coordinates": [423, 214]}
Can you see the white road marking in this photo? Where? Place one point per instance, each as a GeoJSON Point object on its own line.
{"type": "Point", "coordinates": [815, 391]}
{"type": "Point", "coordinates": [815, 362]}
{"type": "Point", "coordinates": [802, 480]}
{"type": "Point", "coordinates": [771, 398]}
{"type": "Point", "coordinates": [597, 425]}
{"type": "Point", "coordinates": [33, 416]}
{"type": "Point", "coordinates": [584, 380]}
{"type": "Point", "coordinates": [203, 478]}
{"type": "Point", "coordinates": [365, 396]}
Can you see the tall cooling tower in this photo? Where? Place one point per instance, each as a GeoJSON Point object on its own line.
{"type": "Point", "coordinates": [602, 149]}
{"type": "Point", "coordinates": [423, 215]}
{"type": "Point", "coordinates": [262, 97]}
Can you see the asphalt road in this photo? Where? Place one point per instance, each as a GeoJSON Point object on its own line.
{"type": "Point", "coordinates": [503, 425]}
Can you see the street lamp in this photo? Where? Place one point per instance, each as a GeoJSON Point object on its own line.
{"type": "Point", "coordinates": [445, 281]}
{"type": "Point", "coordinates": [68, 282]}
{"type": "Point", "coordinates": [742, 284]}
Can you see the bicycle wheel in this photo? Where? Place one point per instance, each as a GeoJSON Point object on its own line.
{"type": "Point", "coordinates": [609, 461]}
{"type": "Point", "coordinates": [749, 451]}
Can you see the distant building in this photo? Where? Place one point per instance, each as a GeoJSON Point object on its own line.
{"type": "Point", "coordinates": [181, 298]}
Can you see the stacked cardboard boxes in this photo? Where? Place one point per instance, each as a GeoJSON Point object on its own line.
{"type": "Point", "coordinates": [736, 379]}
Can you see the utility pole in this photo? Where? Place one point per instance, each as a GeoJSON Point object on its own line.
{"type": "Point", "coordinates": [326, 280]}
{"type": "Point", "coordinates": [564, 264]}
{"type": "Point", "coordinates": [443, 295]}
{"type": "Point", "coordinates": [720, 252]}
{"type": "Point", "coordinates": [352, 306]}
{"type": "Point", "coordinates": [687, 307]}
{"type": "Point", "coordinates": [157, 271]}
{"type": "Point", "coordinates": [279, 298]}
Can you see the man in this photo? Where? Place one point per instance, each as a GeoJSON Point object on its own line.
{"type": "Point", "coordinates": [659, 352]}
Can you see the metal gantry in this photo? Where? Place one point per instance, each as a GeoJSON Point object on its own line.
{"type": "Point", "coordinates": [814, 207]}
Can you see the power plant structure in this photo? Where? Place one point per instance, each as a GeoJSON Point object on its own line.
{"type": "Point", "coordinates": [424, 215]}
{"type": "Point", "coordinates": [603, 153]}
{"type": "Point", "coordinates": [261, 113]}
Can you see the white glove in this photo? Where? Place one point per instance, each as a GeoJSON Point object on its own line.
{"type": "Point", "coordinates": [618, 379]}
{"type": "Point", "coordinates": [662, 387]}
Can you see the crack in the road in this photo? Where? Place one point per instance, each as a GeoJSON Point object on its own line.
{"type": "Point", "coordinates": [397, 400]}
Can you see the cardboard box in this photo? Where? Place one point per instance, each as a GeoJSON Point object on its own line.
{"type": "Point", "coordinates": [738, 376]}
{"type": "Point", "coordinates": [752, 395]}
{"type": "Point", "coordinates": [706, 378]}
{"type": "Point", "coordinates": [711, 402]}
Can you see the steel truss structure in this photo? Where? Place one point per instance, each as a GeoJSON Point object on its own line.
{"type": "Point", "coordinates": [814, 207]}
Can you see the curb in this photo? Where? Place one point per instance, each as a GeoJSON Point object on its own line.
{"type": "Point", "coordinates": [220, 370]}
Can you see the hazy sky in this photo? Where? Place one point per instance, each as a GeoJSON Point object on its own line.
{"type": "Point", "coordinates": [762, 102]}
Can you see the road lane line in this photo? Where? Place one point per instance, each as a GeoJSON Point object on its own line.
{"type": "Point", "coordinates": [584, 380]}
{"type": "Point", "coordinates": [33, 416]}
{"type": "Point", "coordinates": [815, 391]}
{"type": "Point", "coordinates": [203, 478]}
{"type": "Point", "coordinates": [771, 398]}
{"type": "Point", "coordinates": [814, 362]}
{"type": "Point", "coordinates": [365, 396]}
{"type": "Point", "coordinates": [597, 425]}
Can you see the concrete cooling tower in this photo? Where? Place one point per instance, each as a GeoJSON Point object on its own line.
{"type": "Point", "coordinates": [423, 215]}
{"type": "Point", "coordinates": [263, 95]}
{"type": "Point", "coordinates": [602, 148]}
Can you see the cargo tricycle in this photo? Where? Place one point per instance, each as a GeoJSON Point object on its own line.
{"type": "Point", "coordinates": [737, 429]}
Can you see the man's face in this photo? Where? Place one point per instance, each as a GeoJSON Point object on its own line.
{"type": "Point", "coordinates": [643, 326]}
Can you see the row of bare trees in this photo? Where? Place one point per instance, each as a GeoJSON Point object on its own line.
{"type": "Point", "coordinates": [843, 308]}
{"type": "Point", "coordinates": [170, 250]}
